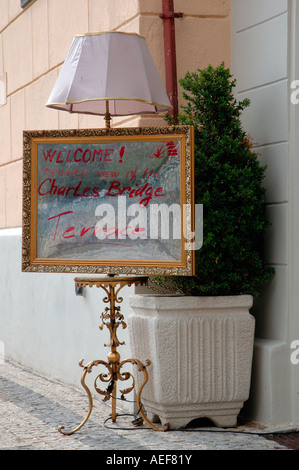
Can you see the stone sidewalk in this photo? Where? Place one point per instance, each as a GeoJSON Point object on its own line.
{"type": "Point", "coordinates": [32, 407]}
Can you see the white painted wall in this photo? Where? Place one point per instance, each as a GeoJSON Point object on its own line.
{"type": "Point", "coordinates": [45, 326]}
{"type": "Point", "coordinates": [261, 39]}
{"type": "Point", "coordinates": [294, 209]}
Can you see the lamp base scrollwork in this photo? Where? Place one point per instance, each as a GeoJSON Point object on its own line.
{"type": "Point", "coordinates": [112, 319]}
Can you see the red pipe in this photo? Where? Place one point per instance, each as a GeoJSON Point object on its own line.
{"type": "Point", "coordinates": [168, 17]}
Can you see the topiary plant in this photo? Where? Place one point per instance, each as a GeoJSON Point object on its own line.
{"type": "Point", "coordinates": [228, 182]}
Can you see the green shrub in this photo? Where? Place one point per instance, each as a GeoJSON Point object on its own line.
{"type": "Point", "coordinates": [228, 182]}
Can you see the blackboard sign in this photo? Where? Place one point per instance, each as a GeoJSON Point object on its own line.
{"type": "Point", "coordinates": [113, 201]}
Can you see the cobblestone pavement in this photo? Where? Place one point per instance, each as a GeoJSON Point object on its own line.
{"type": "Point", "coordinates": [32, 407]}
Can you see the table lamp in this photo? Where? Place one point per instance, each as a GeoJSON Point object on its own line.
{"type": "Point", "coordinates": [109, 74]}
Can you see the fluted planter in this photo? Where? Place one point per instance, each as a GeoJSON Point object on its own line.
{"type": "Point", "coordinates": [200, 350]}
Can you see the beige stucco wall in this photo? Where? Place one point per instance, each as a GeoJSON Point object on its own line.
{"type": "Point", "coordinates": [34, 42]}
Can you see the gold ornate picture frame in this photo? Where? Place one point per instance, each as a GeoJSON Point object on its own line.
{"type": "Point", "coordinates": [110, 201]}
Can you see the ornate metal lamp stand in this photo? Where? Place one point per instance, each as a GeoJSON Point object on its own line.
{"type": "Point", "coordinates": [112, 319]}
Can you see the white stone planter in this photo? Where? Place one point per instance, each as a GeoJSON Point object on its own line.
{"type": "Point", "coordinates": [200, 350]}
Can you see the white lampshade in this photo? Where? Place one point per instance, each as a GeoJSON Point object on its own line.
{"type": "Point", "coordinates": [112, 66]}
